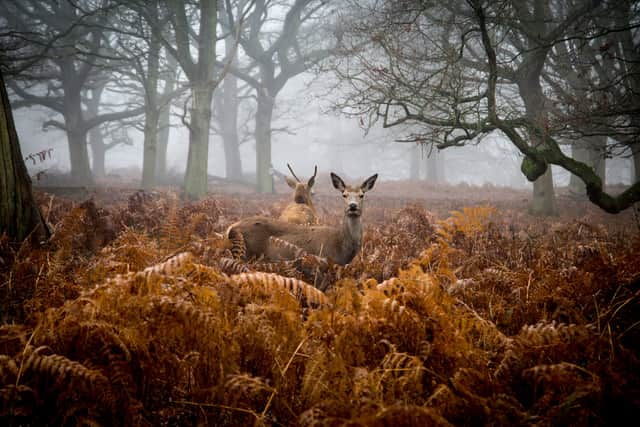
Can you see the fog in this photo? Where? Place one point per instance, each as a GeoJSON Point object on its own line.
{"type": "Point", "coordinates": [311, 84]}
{"type": "Point", "coordinates": [315, 136]}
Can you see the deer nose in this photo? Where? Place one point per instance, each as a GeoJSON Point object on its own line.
{"type": "Point", "coordinates": [353, 206]}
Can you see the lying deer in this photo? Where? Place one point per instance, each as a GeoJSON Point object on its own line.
{"type": "Point", "coordinates": [301, 209]}
{"type": "Point", "coordinates": [339, 244]}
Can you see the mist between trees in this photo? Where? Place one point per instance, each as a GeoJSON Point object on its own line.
{"type": "Point", "coordinates": [186, 92]}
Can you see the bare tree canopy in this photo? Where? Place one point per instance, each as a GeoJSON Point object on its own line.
{"type": "Point", "coordinates": [541, 73]}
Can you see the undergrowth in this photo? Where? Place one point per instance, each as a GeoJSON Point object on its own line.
{"type": "Point", "coordinates": [140, 314]}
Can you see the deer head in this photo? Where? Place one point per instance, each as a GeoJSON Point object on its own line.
{"type": "Point", "coordinates": [301, 209]}
{"type": "Point", "coordinates": [353, 196]}
{"type": "Point", "coordinates": [302, 191]}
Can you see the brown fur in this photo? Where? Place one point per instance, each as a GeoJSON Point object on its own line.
{"type": "Point", "coordinates": [340, 244]}
{"type": "Point", "coordinates": [301, 209]}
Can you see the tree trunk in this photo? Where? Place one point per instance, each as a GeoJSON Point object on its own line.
{"type": "Point", "coordinates": [79, 158]}
{"type": "Point", "coordinates": [195, 180]}
{"type": "Point", "coordinates": [229, 118]}
{"type": "Point", "coordinates": [164, 130]}
{"type": "Point", "coordinates": [543, 201]}
{"type": "Point", "coordinates": [149, 156]}
{"type": "Point", "coordinates": [98, 151]}
{"type": "Point", "coordinates": [434, 168]}
{"type": "Point", "coordinates": [164, 121]}
{"type": "Point", "coordinates": [77, 137]}
{"type": "Point", "coordinates": [229, 127]}
{"type": "Point", "coordinates": [591, 155]}
{"type": "Point", "coordinates": [415, 157]}
{"type": "Point", "coordinates": [264, 114]}
{"type": "Point", "coordinates": [19, 213]}
{"type": "Point", "coordinates": [636, 168]}
{"type": "Point", "coordinates": [96, 139]}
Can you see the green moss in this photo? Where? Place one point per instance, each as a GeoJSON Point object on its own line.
{"type": "Point", "coordinates": [532, 168]}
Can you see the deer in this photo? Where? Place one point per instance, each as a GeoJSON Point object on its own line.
{"type": "Point", "coordinates": [300, 210]}
{"type": "Point", "coordinates": [338, 244]}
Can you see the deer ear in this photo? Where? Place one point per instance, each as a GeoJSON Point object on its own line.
{"type": "Point", "coordinates": [291, 183]}
{"type": "Point", "coordinates": [368, 183]}
{"type": "Point", "coordinates": [338, 183]}
{"type": "Point", "coordinates": [312, 180]}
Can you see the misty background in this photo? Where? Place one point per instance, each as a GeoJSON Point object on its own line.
{"type": "Point", "coordinates": [290, 63]}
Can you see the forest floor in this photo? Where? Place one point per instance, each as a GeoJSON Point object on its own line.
{"type": "Point", "coordinates": [460, 309]}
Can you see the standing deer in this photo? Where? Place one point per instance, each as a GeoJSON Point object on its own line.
{"type": "Point", "coordinates": [340, 244]}
{"type": "Point", "coordinates": [301, 209]}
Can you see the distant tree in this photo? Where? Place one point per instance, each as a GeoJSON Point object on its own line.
{"type": "Point", "coordinates": [193, 40]}
{"type": "Point", "coordinates": [61, 51]}
{"type": "Point", "coordinates": [282, 40]}
{"type": "Point", "coordinates": [226, 105]}
{"type": "Point", "coordinates": [105, 137]}
{"type": "Point", "coordinates": [19, 213]}
{"type": "Point", "coordinates": [467, 69]}
{"type": "Point", "coordinates": [169, 77]}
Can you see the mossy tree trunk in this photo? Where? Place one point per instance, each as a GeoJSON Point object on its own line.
{"type": "Point", "coordinates": [543, 201]}
{"type": "Point", "coordinates": [19, 213]}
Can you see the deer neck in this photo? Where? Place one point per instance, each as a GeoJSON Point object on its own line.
{"type": "Point", "coordinates": [351, 236]}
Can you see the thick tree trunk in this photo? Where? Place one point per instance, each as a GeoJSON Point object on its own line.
{"type": "Point", "coordinates": [543, 201]}
{"type": "Point", "coordinates": [591, 155]}
{"type": "Point", "coordinates": [164, 120]}
{"type": "Point", "coordinates": [79, 157]}
{"type": "Point", "coordinates": [77, 137]}
{"type": "Point", "coordinates": [164, 130]}
{"type": "Point", "coordinates": [229, 119]}
{"type": "Point", "coordinates": [434, 167]}
{"type": "Point", "coordinates": [264, 114]}
{"type": "Point", "coordinates": [149, 155]}
{"type": "Point", "coordinates": [19, 214]}
{"type": "Point", "coordinates": [195, 180]}
{"type": "Point", "coordinates": [96, 139]}
{"type": "Point", "coordinates": [229, 128]}
{"type": "Point", "coordinates": [98, 151]}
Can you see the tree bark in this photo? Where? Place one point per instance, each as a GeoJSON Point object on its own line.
{"type": "Point", "coordinates": [543, 199]}
{"type": "Point", "coordinates": [264, 114]}
{"type": "Point", "coordinates": [195, 184]}
{"type": "Point", "coordinates": [149, 155]}
{"type": "Point", "coordinates": [98, 151]}
{"type": "Point", "coordinates": [96, 139]}
{"type": "Point", "coordinates": [164, 122]}
{"type": "Point", "coordinates": [229, 128]}
{"type": "Point", "coordinates": [77, 137]}
{"type": "Point", "coordinates": [591, 155]}
{"type": "Point", "coordinates": [19, 213]}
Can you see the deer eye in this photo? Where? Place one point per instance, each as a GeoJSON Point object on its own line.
{"type": "Point", "coordinates": [361, 195]}
{"type": "Point", "coordinates": [344, 195]}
